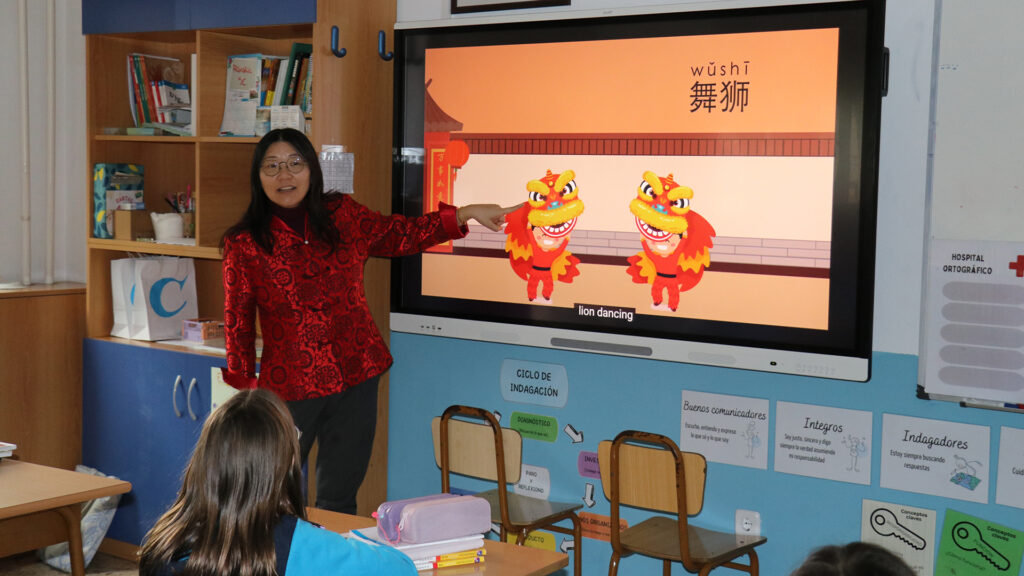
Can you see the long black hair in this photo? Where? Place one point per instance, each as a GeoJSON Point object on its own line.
{"type": "Point", "coordinates": [256, 219]}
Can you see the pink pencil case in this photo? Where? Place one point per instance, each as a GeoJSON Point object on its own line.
{"type": "Point", "coordinates": [432, 518]}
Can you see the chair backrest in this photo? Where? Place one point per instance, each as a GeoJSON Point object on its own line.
{"type": "Point", "coordinates": [647, 473]}
{"type": "Point", "coordinates": [472, 450]}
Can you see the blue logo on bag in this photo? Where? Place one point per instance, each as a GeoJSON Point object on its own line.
{"type": "Point", "coordinates": [155, 296]}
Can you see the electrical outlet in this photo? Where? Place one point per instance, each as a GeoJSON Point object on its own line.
{"type": "Point", "coordinates": [748, 523]}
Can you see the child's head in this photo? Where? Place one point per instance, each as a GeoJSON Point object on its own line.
{"type": "Point", "coordinates": [246, 461]}
{"type": "Point", "coordinates": [243, 476]}
{"type": "Point", "coordinates": [853, 559]}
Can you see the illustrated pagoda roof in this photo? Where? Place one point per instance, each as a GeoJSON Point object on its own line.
{"type": "Point", "coordinates": [435, 119]}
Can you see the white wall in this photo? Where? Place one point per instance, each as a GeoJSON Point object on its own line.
{"type": "Point", "coordinates": [904, 146]}
{"type": "Point", "coordinates": [69, 146]}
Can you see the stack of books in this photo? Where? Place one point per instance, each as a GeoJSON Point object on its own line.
{"type": "Point", "coordinates": [431, 555]}
{"type": "Point", "coordinates": [258, 85]}
{"type": "Point", "coordinates": [158, 97]}
{"type": "Point", "coordinates": [7, 449]}
{"type": "Point", "coordinates": [476, 556]}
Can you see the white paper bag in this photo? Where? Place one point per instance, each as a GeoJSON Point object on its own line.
{"type": "Point", "coordinates": [121, 288]}
{"type": "Point", "coordinates": [165, 295]}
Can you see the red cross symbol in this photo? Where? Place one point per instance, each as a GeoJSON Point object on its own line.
{"type": "Point", "coordinates": [1018, 265]}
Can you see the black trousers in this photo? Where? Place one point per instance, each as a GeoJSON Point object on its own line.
{"type": "Point", "coordinates": [344, 425]}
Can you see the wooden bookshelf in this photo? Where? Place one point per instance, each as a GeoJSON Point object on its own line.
{"type": "Point", "coordinates": [216, 168]}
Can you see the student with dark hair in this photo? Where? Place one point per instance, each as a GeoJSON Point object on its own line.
{"type": "Point", "coordinates": [853, 559]}
{"type": "Point", "coordinates": [297, 257]}
{"type": "Point", "coordinates": [240, 510]}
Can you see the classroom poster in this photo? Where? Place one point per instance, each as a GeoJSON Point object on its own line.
{"type": "Point", "coordinates": [1010, 481]}
{"type": "Point", "coordinates": [974, 309]}
{"type": "Point", "coordinates": [823, 442]}
{"type": "Point", "coordinates": [727, 429]}
{"type": "Point", "coordinates": [935, 457]}
{"type": "Point", "coordinates": [539, 383]}
{"type": "Point", "coordinates": [534, 481]}
{"type": "Point", "coordinates": [970, 545]}
{"type": "Point", "coordinates": [905, 531]}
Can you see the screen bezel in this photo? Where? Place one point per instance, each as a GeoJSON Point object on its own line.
{"type": "Point", "coordinates": [843, 351]}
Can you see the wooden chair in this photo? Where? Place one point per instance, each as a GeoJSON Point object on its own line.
{"type": "Point", "coordinates": [490, 452]}
{"type": "Point", "coordinates": [646, 470]}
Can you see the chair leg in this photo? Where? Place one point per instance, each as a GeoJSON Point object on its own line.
{"type": "Point", "coordinates": [613, 564]}
{"type": "Point", "coordinates": [751, 567]}
{"type": "Point", "coordinates": [666, 568]}
{"type": "Point", "coordinates": [577, 549]}
{"type": "Point", "coordinates": [521, 537]}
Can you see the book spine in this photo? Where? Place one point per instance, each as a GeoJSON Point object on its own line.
{"type": "Point", "coordinates": [307, 91]}
{"type": "Point", "coordinates": [147, 81]}
{"type": "Point", "coordinates": [275, 65]}
{"type": "Point", "coordinates": [281, 83]}
{"type": "Point", "coordinates": [140, 71]}
{"type": "Point", "coordinates": [158, 103]}
{"type": "Point", "coordinates": [460, 555]}
{"type": "Point", "coordinates": [264, 80]}
{"type": "Point", "coordinates": [140, 83]}
{"type": "Point", "coordinates": [138, 117]}
{"type": "Point", "coordinates": [429, 565]}
{"type": "Point", "coordinates": [300, 91]}
{"type": "Point", "coordinates": [296, 76]}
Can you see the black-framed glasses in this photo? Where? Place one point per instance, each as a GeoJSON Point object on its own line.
{"type": "Point", "coordinates": [293, 163]}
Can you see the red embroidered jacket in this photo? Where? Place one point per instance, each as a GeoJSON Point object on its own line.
{"type": "Point", "coordinates": [318, 335]}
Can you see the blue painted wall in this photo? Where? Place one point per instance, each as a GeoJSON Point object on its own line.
{"type": "Point", "coordinates": [608, 394]}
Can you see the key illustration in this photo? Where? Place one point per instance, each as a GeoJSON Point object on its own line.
{"type": "Point", "coordinates": [884, 523]}
{"type": "Point", "coordinates": [967, 536]}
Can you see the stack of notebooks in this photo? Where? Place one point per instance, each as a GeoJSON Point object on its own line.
{"type": "Point", "coordinates": [7, 449]}
{"type": "Point", "coordinates": [431, 555]}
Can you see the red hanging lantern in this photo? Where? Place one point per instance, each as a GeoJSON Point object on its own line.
{"type": "Point", "coordinates": [456, 153]}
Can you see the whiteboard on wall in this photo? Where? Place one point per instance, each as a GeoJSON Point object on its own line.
{"type": "Point", "coordinates": [973, 318]}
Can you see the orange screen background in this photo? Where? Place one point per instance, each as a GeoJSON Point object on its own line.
{"type": "Point", "coordinates": [639, 85]}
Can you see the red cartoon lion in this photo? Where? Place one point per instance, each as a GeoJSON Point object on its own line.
{"type": "Point", "coordinates": [538, 233]}
{"type": "Point", "coordinates": [676, 241]}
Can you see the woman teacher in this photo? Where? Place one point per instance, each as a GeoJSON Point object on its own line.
{"type": "Point", "coordinates": [297, 256]}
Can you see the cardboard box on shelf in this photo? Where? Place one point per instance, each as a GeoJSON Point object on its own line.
{"type": "Point", "coordinates": [132, 224]}
{"type": "Point", "coordinates": [205, 330]}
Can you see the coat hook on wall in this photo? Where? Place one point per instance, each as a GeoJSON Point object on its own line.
{"type": "Point", "coordinates": [339, 52]}
{"type": "Point", "coordinates": [380, 47]}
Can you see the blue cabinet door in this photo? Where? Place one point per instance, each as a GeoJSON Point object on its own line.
{"type": "Point", "coordinates": [113, 16]}
{"type": "Point", "coordinates": [137, 424]}
{"type": "Point", "coordinates": [235, 13]}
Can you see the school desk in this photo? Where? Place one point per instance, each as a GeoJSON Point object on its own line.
{"type": "Point", "coordinates": [40, 505]}
{"type": "Point", "coordinates": [503, 559]}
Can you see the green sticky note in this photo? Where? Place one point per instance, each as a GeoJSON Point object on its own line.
{"type": "Point", "coordinates": [535, 426]}
{"type": "Point", "coordinates": [973, 546]}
